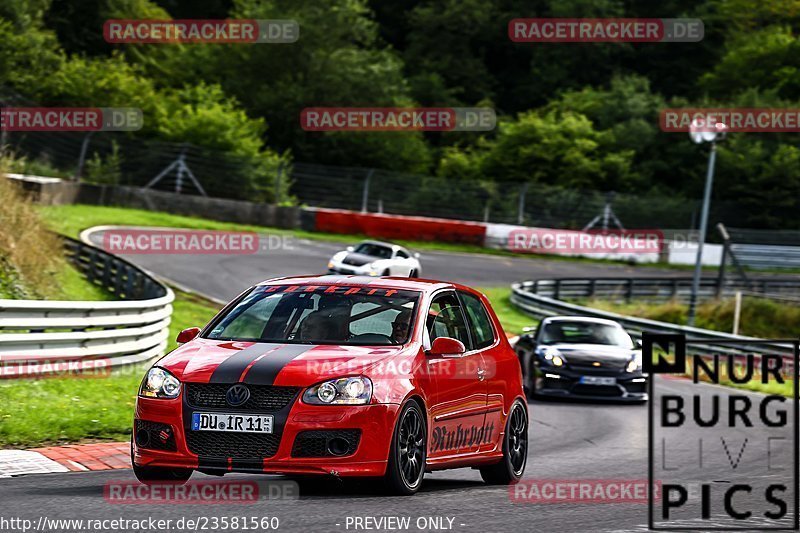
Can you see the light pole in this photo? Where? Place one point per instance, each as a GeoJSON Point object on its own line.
{"type": "Point", "coordinates": [700, 132]}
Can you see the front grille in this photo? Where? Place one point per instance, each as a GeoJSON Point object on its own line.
{"type": "Point", "coordinates": [353, 262]}
{"type": "Point", "coordinates": [597, 390]}
{"type": "Point", "coordinates": [263, 398]}
{"type": "Point", "coordinates": [151, 435]}
{"type": "Point", "coordinates": [607, 369]}
{"type": "Point", "coordinates": [315, 443]}
{"type": "Point", "coordinates": [236, 445]}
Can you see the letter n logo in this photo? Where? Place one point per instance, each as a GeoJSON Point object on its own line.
{"type": "Point", "coordinates": [671, 361]}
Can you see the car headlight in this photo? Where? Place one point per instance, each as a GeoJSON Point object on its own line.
{"type": "Point", "coordinates": [373, 272]}
{"type": "Point", "coordinates": [635, 363]}
{"type": "Point", "coordinates": [330, 264]}
{"type": "Point", "coordinates": [158, 383]}
{"type": "Point", "coordinates": [342, 391]}
{"type": "Point", "coordinates": [554, 357]}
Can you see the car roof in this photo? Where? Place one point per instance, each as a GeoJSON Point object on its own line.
{"type": "Point", "coordinates": [414, 284]}
{"type": "Point", "coordinates": [379, 243]}
{"type": "Point", "coordinates": [386, 244]}
{"type": "Point", "coordinates": [590, 319]}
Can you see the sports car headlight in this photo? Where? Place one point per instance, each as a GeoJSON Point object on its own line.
{"type": "Point", "coordinates": [343, 391]}
{"type": "Point", "coordinates": [635, 363]}
{"type": "Point", "coordinates": [158, 383]}
{"type": "Point", "coordinates": [554, 357]}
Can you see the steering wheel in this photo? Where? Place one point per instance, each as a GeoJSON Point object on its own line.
{"type": "Point", "coordinates": [376, 338]}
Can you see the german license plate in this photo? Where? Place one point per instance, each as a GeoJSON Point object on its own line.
{"type": "Point", "coordinates": [598, 380]}
{"type": "Point", "coordinates": [237, 423]}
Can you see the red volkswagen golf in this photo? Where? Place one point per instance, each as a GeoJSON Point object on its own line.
{"type": "Point", "coordinates": [338, 375]}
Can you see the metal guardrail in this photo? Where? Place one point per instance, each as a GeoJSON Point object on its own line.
{"type": "Point", "coordinates": [660, 289]}
{"type": "Point", "coordinates": [528, 297]}
{"type": "Point", "coordinates": [35, 335]}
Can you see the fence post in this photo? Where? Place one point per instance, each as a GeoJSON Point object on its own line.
{"type": "Point", "coordinates": [629, 290]}
{"type": "Point", "coordinates": [3, 133]}
{"type": "Point", "coordinates": [557, 289]}
{"type": "Point", "coordinates": [82, 156]}
{"type": "Point", "coordinates": [365, 193]}
{"type": "Point", "coordinates": [521, 207]}
{"type": "Point", "coordinates": [591, 287]}
{"type": "Point", "coordinates": [721, 271]}
{"type": "Point", "coordinates": [278, 179]}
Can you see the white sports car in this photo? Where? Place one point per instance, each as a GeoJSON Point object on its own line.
{"type": "Point", "coordinates": [373, 258]}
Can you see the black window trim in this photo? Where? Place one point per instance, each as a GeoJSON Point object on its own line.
{"type": "Point", "coordinates": [495, 334]}
{"type": "Point", "coordinates": [469, 349]}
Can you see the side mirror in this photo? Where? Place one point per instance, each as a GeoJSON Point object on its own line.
{"type": "Point", "coordinates": [350, 248]}
{"type": "Point", "coordinates": [638, 344]}
{"type": "Point", "coordinates": [444, 346]}
{"type": "Point", "coordinates": [187, 335]}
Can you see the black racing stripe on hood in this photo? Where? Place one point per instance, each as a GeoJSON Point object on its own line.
{"type": "Point", "coordinates": [230, 370]}
{"type": "Point", "coordinates": [268, 367]}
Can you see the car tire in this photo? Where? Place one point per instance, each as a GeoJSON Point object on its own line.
{"type": "Point", "coordinates": [413, 273]}
{"type": "Point", "coordinates": [515, 450]}
{"type": "Point", "coordinates": [150, 475]}
{"type": "Point", "coordinates": [386, 272]}
{"type": "Point", "coordinates": [407, 453]}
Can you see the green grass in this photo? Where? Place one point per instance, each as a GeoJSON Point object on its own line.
{"type": "Point", "coordinates": [512, 319]}
{"type": "Point", "coordinates": [74, 286]}
{"type": "Point", "coordinates": [759, 318]}
{"type": "Point", "coordinates": [57, 410]}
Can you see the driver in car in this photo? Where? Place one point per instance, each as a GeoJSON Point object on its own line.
{"type": "Point", "coordinates": [400, 326]}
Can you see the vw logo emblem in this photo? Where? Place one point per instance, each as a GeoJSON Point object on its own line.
{"type": "Point", "coordinates": [237, 395]}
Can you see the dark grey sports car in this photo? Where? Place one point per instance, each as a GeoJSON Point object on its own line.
{"type": "Point", "coordinates": [582, 357]}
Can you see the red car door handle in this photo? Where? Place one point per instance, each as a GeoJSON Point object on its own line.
{"type": "Point", "coordinates": [481, 374]}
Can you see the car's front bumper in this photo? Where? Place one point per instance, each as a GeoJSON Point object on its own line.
{"type": "Point", "coordinates": [555, 382]}
{"type": "Point", "coordinates": [375, 421]}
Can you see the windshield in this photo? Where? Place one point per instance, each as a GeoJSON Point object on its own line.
{"type": "Point", "coordinates": [585, 333]}
{"type": "Point", "coordinates": [374, 250]}
{"type": "Point", "coordinates": [320, 315]}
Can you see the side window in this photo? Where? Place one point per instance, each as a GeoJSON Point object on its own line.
{"type": "Point", "coordinates": [445, 319]}
{"type": "Point", "coordinates": [402, 254]}
{"type": "Point", "coordinates": [479, 322]}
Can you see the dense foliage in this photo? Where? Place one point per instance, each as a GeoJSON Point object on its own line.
{"type": "Point", "coordinates": [581, 116]}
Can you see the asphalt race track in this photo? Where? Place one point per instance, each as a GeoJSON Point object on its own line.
{"type": "Point", "coordinates": [225, 276]}
{"type": "Point", "coordinates": [568, 440]}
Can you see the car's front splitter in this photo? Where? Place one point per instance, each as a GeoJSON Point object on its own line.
{"type": "Point", "coordinates": [565, 383]}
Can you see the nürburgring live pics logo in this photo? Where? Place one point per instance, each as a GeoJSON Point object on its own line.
{"type": "Point", "coordinates": [726, 458]}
